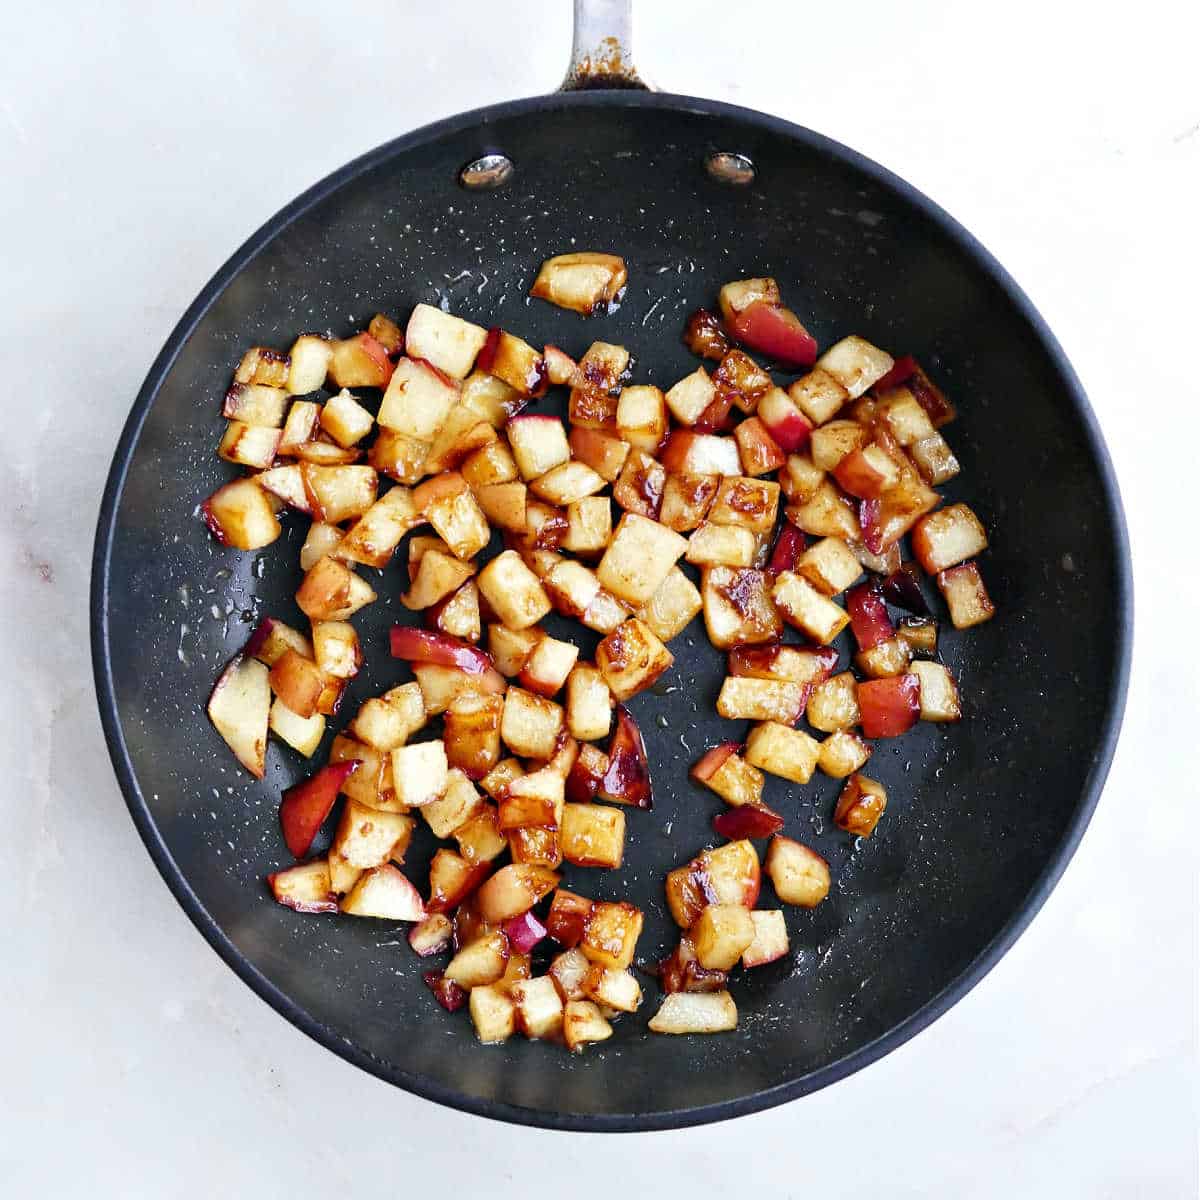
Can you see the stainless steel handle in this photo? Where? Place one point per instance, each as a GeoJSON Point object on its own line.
{"type": "Point", "coordinates": [602, 48]}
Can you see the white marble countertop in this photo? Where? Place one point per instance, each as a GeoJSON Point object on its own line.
{"type": "Point", "coordinates": [137, 1064]}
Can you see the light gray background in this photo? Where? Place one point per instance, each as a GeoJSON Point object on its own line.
{"type": "Point", "coordinates": [139, 144]}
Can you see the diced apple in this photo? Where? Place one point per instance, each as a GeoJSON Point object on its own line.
{"type": "Point", "coordinates": [860, 806]}
{"type": "Point", "coordinates": [530, 724]}
{"type": "Point", "coordinates": [725, 772]}
{"type": "Point", "coordinates": [770, 938]}
{"type": "Point", "coordinates": [627, 778]}
{"type": "Point", "coordinates": [583, 1023]}
{"type": "Point", "coordinates": [359, 361]}
{"type": "Point", "coordinates": [801, 605]}
{"type": "Point", "coordinates": [459, 803]}
{"type": "Point", "coordinates": [593, 835]}
{"type": "Point", "coordinates": [642, 417]}
{"type": "Point", "coordinates": [446, 341]}
{"type": "Point", "coordinates": [339, 493]}
{"type": "Point", "coordinates": [303, 734]}
{"type": "Point", "coordinates": [567, 483]}
{"type": "Point", "coordinates": [799, 875]}
{"type": "Point", "coordinates": [601, 451]}
{"type": "Point", "coordinates": [670, 610]}
{"type": "Point", "coordinates": [721, 934]}
{"type": "Point", "coordinates": [308, 364]}
{"type": "Point", "coordinates": [610, 933]}
{"type": "Point", "coordinates": [589, 525]}
{"type": "Point", "coordinates": [514, 592]}
{"type": "Point", "coordinates": [832, 442]}
{"type": "Point", "coordinates": [782, 750]}
{"type": "Point", "coordinates": [398, 457]}
{"type": "Point", "coordinates": [479, 963]}
{"type": "Point", "coordinates": [421, 772]}
{"type": "Point", "coordinates": [833, 704]}
{"type": "Point", "coordinates": [472, 732]}
{"type": "Point", "coordinates": [748, 699]}
{"type": "Point", "coordinates": [686, 500]}
{"type": "Point", "coordinates": [533, 800]}
{"type": "Point", "coordinates": [842, 753]}
{"type": "Point", "coordinates": [306, 887]}
{"type": "Point", "coordinates": [948, 537]}
{"type": "Point", "coordinates": [889, 707]}
{"type": "Point", "coordinates": [239, 708]}
{"type": "Point", "coordinates": [365, 836]}
{"type": "Point", "coordinates": [514, 361]}
{"type": "Point", "coordinates": [452, 879]}
{"type": "Point", "coordinates": [254, 404]}
{"type": "Point", "coordinates": [298, 682]}
{"type": "Point", "coordinates": [546, 669]}
{"type": "Point", "coordinates": [827, 513]}
{"type": "Point", "coordinates": [431, 935]}
{"type": "Point", "coordinates": [965, 595]}
{"type": "Point", "coordinates": [737, 607]}
{"type": "Point", "coordinates": [855, 364]}
{"type": "Point", "coordinates": [583, 281]}
{"type": "Point", "coordinates": [418, 400]}
{"type": "Point", "coordinates": [921, 634]}
{"type": "Point", "coordinates": [240, 515]}
{"type": "Point", "coordinates": [639, 558]}
{"type": "Point", "coordinates": [938, 692]}
{"type": "Point", "coordinates": [695, 1012]}
{"type": "Point", "coordinates": [331, 592]}
{"type": "Point", "coordinates": [748, 503]}
{"type": "Point", "coordinates": [691, 396]}
{"type": "Point", "coordinates": [513, 890]}
{"type": "Point", "coordinates": [688, 453]}
{"type": "Point", "coordinates": [249, 445]}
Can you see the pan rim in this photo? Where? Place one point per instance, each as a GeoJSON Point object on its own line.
{"type": "Point", "coordinates": [421, 1085]}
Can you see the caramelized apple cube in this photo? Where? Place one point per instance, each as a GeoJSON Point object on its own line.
{"type": "Point", "coordinates": [695, 1012]}
{"type": "Point", "coordinates": [691, 396]}
{"type": "Point", "coordinates": [860, 806]}
{"type": "Point", "coordinates": [610, 933]}
{"type": "Point", "coordinates": [443, 340]}
{"type": "Point", "coordinates": [513, 591]}
{"type": "Point", "coordinates": [583, 281]}
{"type": "Point", "coordinates": [783, 751]}
{"type": "Point", "coordinates": [938, 692]}
{"type": "Point", "coordinates": [384, 892]}
{"type": "Point", "coordinates": [642, 417]}
{"type": "Point", "coordinates": [639, 558]}
{"type": "Point", "coordinates": [799, 875]}
{"type": "Point", "coordinates": [842, 753]}
{"type": "Point", "coordinates": [332, 592]}
{"type": "Point", "coordinates": [965, 595]}
{"type": "Point", "coordinates": [240, 515]}
{"type": "Point", "coordinates": [948, 537]}
{"type": "Point", "coordinates": [420, 772]}
{"type": "Point", "coordinates": [855, 364]}
{"type": "Point", "coordinates": [418, 400]}
{"type": "Point", "coordinates": [592, 835]}
{"type": "Point", "coordinates": [632, 658]}
{"type": "Point", "coordinates": [531, 724]}
{"type": "Point", "coordinates": [472, 732]}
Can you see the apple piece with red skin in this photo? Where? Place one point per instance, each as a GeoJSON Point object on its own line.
{"type": "Point", "coordinates": [786, 424]}
{"type": "Point", "coordinates": [627, 780]}
{"type": "Point", "coordinates": [770, 939]}
{"type": "Point", "coordinates": [703, 335]}
{"type": "Point", "coordinates": [901, 372]}
{"type": "Point", "coordinates": [426, 646]}
{"type": "Point", "coordinates": [715, 418]}
{"type": "Point", "coordinates": [761, 453]}
{"type": "Point", "coordinates": [452, 879]}
{"type": "Point", "coordinates": [711, 761]}
{"type": "Point", "coordinates": [445, 991]}
{"type": "Point", "coordinates": [732, 873]}
{"type": "Point", "coordinates": [767, 662]}
{"type": "Point", "coordinates": [889, 707]}
{"type": "Point", "coordinates": [689, 453]}
{"type": "Point", "coordinates": [903, 589]}
{"type": "Point", "coordinates": [568, 917]}
{"type": "Point", "coordinates": [747, 821]}
{"type": "Point", "coordinates": [869, 618]}
{"type": "Point", "coordinates": [303, 808]}
{"type": "Point", "coordinates": [789, 545]}
{"type": "Point", "coordinates": [586, 774]}
{"type": "Point", "coordinates": [360, 361]}
{"type": "Point", "coordinates": [872, 528]}
{"type": "Point", "coordinates": [561, 368]}
{"type": "Point", "coordinates": [524, 932]}
{"type": "Point", "coordinates": [867, 472]}
{"type": "Point", "coordinates": [776, 332]}
{"type": "Point", "coordinates": [240, 710]}
{"type": "Point", "coordinates": [680, 971]}
{"type": "Point", "coordinates": [431, 936]}
{"type": "Point", "coordinates": [518, 364]}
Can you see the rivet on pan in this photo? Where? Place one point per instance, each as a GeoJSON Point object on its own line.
{"type": "Point", "coordinates": [490, 171]}
{"type": "Point", "coordinates": [730, 168]}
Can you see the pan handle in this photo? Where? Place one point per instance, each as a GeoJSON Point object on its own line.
{"type": "Point", "coordinates": [602, 50]}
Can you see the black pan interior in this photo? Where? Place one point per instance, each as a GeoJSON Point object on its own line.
{"type": "Point", "coordinates": [982, 816]}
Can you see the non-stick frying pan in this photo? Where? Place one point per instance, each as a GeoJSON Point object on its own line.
{"type": "Point", "coordinates": [983, 816]}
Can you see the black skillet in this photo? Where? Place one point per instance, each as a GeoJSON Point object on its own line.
{"type": "Point", "coordinates": [983, 816]}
